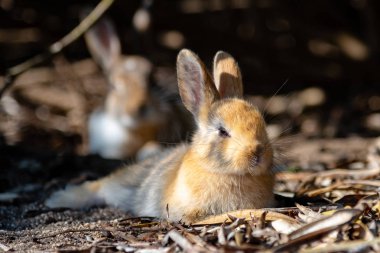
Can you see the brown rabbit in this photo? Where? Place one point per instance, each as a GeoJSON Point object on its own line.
{"type": "Point", "coordinates": [227, 166]}
{"type": "Point", "coordinates": [133, 113]}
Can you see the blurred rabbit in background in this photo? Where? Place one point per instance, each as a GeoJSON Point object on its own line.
{"type": "Point", "coordinates": [134, 114]}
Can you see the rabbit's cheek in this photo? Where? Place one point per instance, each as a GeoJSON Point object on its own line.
{"type": "Point", "coordinates": [242, 159]}
{"type": "Point", "coordinates": [128, 121]}
{"type": "Point", "coordinates": [264, 164]}
{"type": "Point", "coordinates": [147, 131]}
{"type": "Point", "coordinates": [229, 150]}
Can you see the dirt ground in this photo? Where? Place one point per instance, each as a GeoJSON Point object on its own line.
{"type": "Point", "coordinates": [310, 67]}
{"type": "Point", "coordinates": [26, 225]}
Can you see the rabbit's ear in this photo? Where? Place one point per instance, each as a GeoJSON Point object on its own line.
{"type": "Point", "coordinates": [195, 85]}
{"type": "Point", "coordinates": [227, 76]}
{"type": "Point", "coordinates": [103, 43]}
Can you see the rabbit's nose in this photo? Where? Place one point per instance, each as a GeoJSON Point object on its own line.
{"type": "Point", "coordinates": [256, 154]}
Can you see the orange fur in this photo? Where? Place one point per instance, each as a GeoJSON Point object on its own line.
{"type": "Point", "coordinates": [227, 166]}
{"type": "Point", "coordinates": [211, 193]}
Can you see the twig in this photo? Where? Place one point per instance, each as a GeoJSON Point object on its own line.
{"type": "Point", "coordinates": [4, 247]}
{"type": "Point", "coordinates": [56, 47]}
{"type": "Point", "coordinates": [343, 185]}
{"type": "Point", "coordinates": [371, 183]}
{"type": "Point", "coordinates": [357, 245]}
{"type": "Point", "coordinates": [246, 214]}
{"type": "Point", "coordinates": [357, 174]}
{"type": "Point", "coordinates": [337, 173]}
{"type": "Point", "coordinates": [317, 229]}
{"type": "Point", "coordinates": [181, 241]}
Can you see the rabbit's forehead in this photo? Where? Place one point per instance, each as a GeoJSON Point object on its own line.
{"type": "Point", "coordinates": [136, 63]}
{"type": "Point", "coordinates": [237, 114]}
{"type": "Point", "coordinates": [129, 81]}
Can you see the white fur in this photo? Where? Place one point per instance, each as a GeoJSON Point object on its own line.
{"type": "Point", "coordinates": [130, 65]}
{"type": "Point", "coordinates": [117, 195]}
{"type": "Point", "coordinates": [111, 193]}
{"type": "Point", "coordinates": [107, 135]}
{"type": "Point", "coordinates": [74, 197]}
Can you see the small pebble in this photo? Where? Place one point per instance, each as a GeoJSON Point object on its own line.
{"type": "Point", "coordinates": [326, 182]}
{"type": "Point", "coordinates": [141, 20]}
{"type": "Point", "coordinates": [89, 238]}
{"type": "Point", "coordinates": [277, 105]}
{"type": "Point", "coordinates": [274, 131]}
{"type": "Point", "coordinates": [125, 248]}
{"type": "Point", "coordinates": [312, 96]}
{"type": "Point", "coordinates": [372, 122]}
{"type": "Point", "coordinates": [356, 166]}
{"type": "Point", "coordinates": [317, 166]}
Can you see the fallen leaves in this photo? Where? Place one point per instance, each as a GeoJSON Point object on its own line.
{"type": "Point", "coordinates": [249, 231]}
{"type": "Point", "coordinates": [332, 210]}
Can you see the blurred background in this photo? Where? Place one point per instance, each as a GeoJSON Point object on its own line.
{"type": "Point", "coordinates": [313, 67]}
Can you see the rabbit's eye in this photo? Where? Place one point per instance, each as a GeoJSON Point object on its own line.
{"type": "Point", "coordinates": [223, 132]}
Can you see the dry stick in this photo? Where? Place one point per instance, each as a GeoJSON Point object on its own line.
{"type": "Point", "coordinates": [56, 47]}
{"type": "Point", "coordinates": [363, 173]}
{"type": "Point", "coordinates": [317, 229]}
{"type": "Point", "coordinates": [4, 247]}
{"type": "Point", "coordinates": [343, 185]}
{"type": "Point", "coordinates": [184, 243]}
{"type": "Point", "coordinates": [343, 246]}
{"type": "Point", "coordinates": [246, 214]}
{"type": "Point", "coordinates": [337, 173]}
{"type": "Point", "coordinates": [372, 183]}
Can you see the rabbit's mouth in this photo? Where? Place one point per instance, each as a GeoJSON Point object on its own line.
{"type": "Point", "coordinates": [255, 160]}
{"type": "Point", "coordinates": [255, 157]}
{"type": "Point", "coordinates": [259, 164]}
